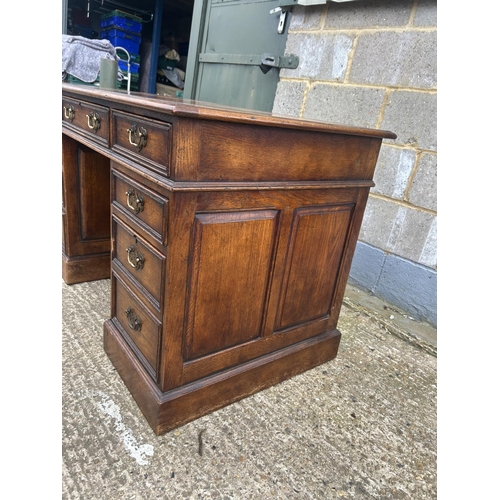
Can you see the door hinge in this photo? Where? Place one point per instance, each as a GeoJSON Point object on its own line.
{"type": "Point", "coordinates": [268, 61]}
{"type": "Point", "coordinates": [264, 61]}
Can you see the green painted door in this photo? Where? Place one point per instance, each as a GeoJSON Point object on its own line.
{"type": "Point", "coordinates": [229, 40]}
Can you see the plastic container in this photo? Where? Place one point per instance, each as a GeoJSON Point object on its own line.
{"type": "Point", "coordinates": [120, 38]}
{"type": "Point", "coordinates": [134, 67]}
{"type": "Point", "coordinates": [73, 79]}
{"type": "Point", "coordinates": [122, 23]}
{"type": "Point", "coordinates": [164, 63]}
{"type": "Point", "coordinates": [114, 33]}
{"type": "Point", "coordinates": [134, 58]}
{"type": "Point", "coordinates": [122, 20]}
{"type": "Point", "coordinates": [134, 83]}
{"type": "Point", "coordinates": [108, 73]}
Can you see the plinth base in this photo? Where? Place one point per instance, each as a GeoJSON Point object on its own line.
{"type": "Point", "coordinates": [87, 268]}
{"type": "Point", "coordinates": [165, 411]}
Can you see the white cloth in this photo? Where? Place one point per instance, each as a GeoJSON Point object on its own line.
{"type": "Point", "coordinates": [81, 57]}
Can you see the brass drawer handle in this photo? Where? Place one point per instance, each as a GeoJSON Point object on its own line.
{"type": "Point", "coordinates": [69, 112]}
{"type": "Point", "coordinates": [135, 201]}
{"type": "Point", "coordinates": [94, 121]}
{"type": "Point", "coordinates": [137, 136]}
{"type": "Point", "coordinates": [135, 259]}
{"type": "Point", "coordinates": [133, 320]}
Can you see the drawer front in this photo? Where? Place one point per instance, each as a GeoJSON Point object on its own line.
{"type": "Point", "coordinates": [140, 260]}
{"type": "Point", "coordinates": [144, 207]}
{"type": "Point", "coordinates": [142, 329]}
{"type": "Point", "coordinates": [146, 141]}
{"type": "Point", "coordinates": [91, 119]}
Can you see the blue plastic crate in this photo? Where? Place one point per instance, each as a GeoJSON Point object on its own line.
{"type": "Point", "coordinates": [114, 33]}
{"type": "Point", "coordinates": [134, 67]}
{"type": "Point", "coordinates": [120, 38]}
{"type": "Point", "coordinates": [123, 23]}
{"type": "Point", "coordinates": [134, 58]}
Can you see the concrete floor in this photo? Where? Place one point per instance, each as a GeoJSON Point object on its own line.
{"type": "Point", "coordinates": [362, 426]}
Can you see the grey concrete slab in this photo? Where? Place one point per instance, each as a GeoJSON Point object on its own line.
{"type": "Point", "coordinates": [361, 426]}
{"type": "Point", "coordinates": [393, 319]}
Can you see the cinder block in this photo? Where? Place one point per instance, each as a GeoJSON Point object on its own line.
{"type": "Point", "coordinates": [377, 224]}
{"type": "Point", "coordinates": [428, 257]}
{"type": "Point", "coordinates": [423, 189]}
{"type": "Point", "coordinates": [306, 18]}
{"type": "Point", "coordinates": [321, 57]}
{"type": "Point", "coordinates": [393, 171]}
{"type": "Point", "coordinates": [346, 105]}
{"type": "Point", "coordinates": [409, 286]}
{"type": "Point", "coordinates": [368, 14]}
{"type": "Point", "coordinates": [413, 117]}
{"type": "Point", "coordinates": [289, 97]}
{"type": "Point", "coordinates": [403, 59]}
{"type": "Point", "coordinates": [426, 14]}
{"type": "Point", "coordinates": [367, 266]}
{"type": "Point", "coordinates": [410, 235]}
{"type": "Point", "coordinates": [397, 229]}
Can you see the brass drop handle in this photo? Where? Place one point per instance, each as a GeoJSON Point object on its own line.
{"type": "Point", "coordinates": [69, 112]}
{"type": "Point", "coordinates": [135, 201]}
{"type": "Point", "coordinates": [135, 258]}
{"type": "Point", "coordinates": [137, 136]}
{"type": "Point", "coordinates": [94, 121]}
{"type": "Point", "coordinates": [133, 320]}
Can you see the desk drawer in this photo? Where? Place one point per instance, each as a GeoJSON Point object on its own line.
{"type": "Point", "coordinates": [91, 119]}
{"type": "Point", "coordinates": [144, 207]}
{"type": "Point", "coordinates": [141, 262]}
{"type": "Point", "coordinates": [141, 328]}
{"type": "Point", "coordinates": [146, 141]}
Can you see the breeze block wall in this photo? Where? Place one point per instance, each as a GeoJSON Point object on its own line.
{"type": "Point", "coordinates": [374, 64]}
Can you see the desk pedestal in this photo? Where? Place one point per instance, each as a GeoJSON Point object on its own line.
{"type": "Point", "coordinates": [228, 238]}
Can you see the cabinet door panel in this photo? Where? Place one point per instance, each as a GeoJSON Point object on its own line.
{"type": "Point", "coordinates": [243, 270]}
{"type": "Point", "coordinates": [315, 250]}
{"type": "Point", "coordinates": [229, 279]}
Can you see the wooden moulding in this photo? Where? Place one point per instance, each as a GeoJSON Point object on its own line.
{"type": "Point", "coordinates": [171, 409]}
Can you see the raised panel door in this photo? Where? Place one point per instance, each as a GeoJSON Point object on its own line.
{"type": "Point", "coordinates": [317, 239]}
{"type": "Point", "coordinates": [232, 255]}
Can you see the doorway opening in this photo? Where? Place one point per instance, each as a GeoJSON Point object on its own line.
{"type": "Point", "coordinates": [150, 30]}
{"type": "Point", "coordinates": [226, 52]}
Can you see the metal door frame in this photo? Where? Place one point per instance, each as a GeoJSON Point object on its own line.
{"type": "Point", "coordinates": [195, 44]}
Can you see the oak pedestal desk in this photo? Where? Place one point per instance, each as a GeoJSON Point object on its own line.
{"type": "Point", "coordinates": [228, 236]}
